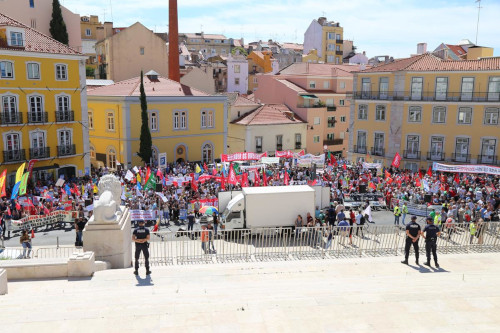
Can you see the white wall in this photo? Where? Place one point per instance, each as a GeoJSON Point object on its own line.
{"type": "Point", "coordinates": [269, 133]}
{"type": "Point", "coordinates": [312, 38]}
{"type": "Point", "coordinates": [242, 88]}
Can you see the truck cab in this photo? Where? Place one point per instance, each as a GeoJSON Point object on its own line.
{"type": "Point", "coordinates": [233, 216]}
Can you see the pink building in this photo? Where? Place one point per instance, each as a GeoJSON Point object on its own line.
{"type": "Point", "coordinates": [317, 93]}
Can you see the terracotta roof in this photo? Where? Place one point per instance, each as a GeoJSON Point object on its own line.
{"type": "Point", "coordinates": [292, 46]}
{"type": "Point", "coordinates": [269, 114]}
{"type": "Point", "coordinates": [242, 101]}
{"type": "Point", "coordinates": [207, 36]}
{"type": "Point", "coordinates": [319, 69]}
{"type": "Point", "coordinates": [160, 87]}
{"type": "Point", "coordinates": [457, 49]}
{"type": "Point", "coordinates": [428, 62]}
{"type": "Point", "coordinates": [293, 86]}
{"type": "Point", "coordinates": [35, 41]}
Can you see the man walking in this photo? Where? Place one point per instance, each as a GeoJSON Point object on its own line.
{"type": "Point", "coordinates": [141, 238]}
{"type": "Point", "coordinates": [413, 233]}
{"type": "Point", "coordinates": [431, 233]}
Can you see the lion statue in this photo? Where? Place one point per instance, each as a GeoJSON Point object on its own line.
{"type": "Point", "coordinates": [107, 207]}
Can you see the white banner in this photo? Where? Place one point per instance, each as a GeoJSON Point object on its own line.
{"type": "Point", "coordinates": [270, 160]}
{"type": "Point", "coordinates": [129, 175]}
{"type": "Point", "coordinates": [372, 165]}
{"type": "Point", "coordinates": [490, 170]}
{"type": "Point", "coordinates": [162, 160]}
{"type": "Point", "coordinates": [148, 215]}
{"type": "Point", "coordinates": [34, 221]}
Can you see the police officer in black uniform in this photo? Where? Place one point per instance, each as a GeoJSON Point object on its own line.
{"type": "Point", "coordinates": [141, 238]}
{"type": "Point", "coordinates": [431, 233]}
{"type": "Point", "coordinates": [413, 233]}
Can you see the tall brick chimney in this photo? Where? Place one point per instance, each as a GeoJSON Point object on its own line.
{"type": "Point", "coordinates": [173, 42]}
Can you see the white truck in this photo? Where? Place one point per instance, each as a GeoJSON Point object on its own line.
{"type": "Point", "coordinates": [270, 206]}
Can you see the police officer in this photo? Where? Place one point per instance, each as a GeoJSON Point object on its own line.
{"type": "Point", "coordinates": [431, 233]}
{"type": "Point", "coordinates": [141, 238]}
{"type": "Point", "coordinates": [413, 233]}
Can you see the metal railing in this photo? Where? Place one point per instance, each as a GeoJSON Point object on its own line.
{"type": "Point", "coordinates": [378, 151]}
{"type": "Point", "coordinates": [435, 156]}
{"type": "Point", "coordinates": [185, 247]}
{"type": "Point", "coordinates": [43, 152]}
{"type": "Point", "coordinates": [11, 118]}
{"type": "Point", "coordinates": [56, 252]}
{"type": "Point", "coordinates": [487, 159]}
{"type": "Point", "coordinates": [38, 117]}
{"type": "Point", "coordinates": [411, 154]}
{"type": "Point", "coordinates": [331, 108]}
{"type": "Point", "coordinates": [481, 96]}
{"type": "Point", "coordinates": [360, 149]}
{"type": "Point", "coordinates": [14, 155]}
{"type": "Point", "coordinates": [67, 150]}
{"type": "Point", "coordinates": [465, 158]}
{"type": "Point", "coordinates": [65, 116]}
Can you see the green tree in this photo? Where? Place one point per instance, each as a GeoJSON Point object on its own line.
{"type": "Point", "coordinates": [57, 25]}
{"type": "Point", "coordinates": [239, 48]}
{"type": "Point", "coordinates": [146, 143]}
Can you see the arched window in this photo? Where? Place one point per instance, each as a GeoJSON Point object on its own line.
{"type": "Point", "coordinates": [207, 153]}
{"type": "Point", "coordinates": [111, 158]}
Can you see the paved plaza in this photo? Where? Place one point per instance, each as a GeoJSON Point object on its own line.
{"type": "Point", "coordinates": [342, 295]}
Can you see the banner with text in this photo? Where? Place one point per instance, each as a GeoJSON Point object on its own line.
{"type": "Point", "coordinates": [490, 170]}
{"type": "Point", "coordinates": [242, 157]}
{"type": "Point", "coordinates": [139, 214]}
{"type": "Point", "coordinates": [34, 221]}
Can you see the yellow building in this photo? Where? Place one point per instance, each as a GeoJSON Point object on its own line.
{"type": "Point", "coordinates": [427, 109]}
{"type": "Point", "coordinates": [327, 38]}
{"type": "Point", "coordinates": [208, 45]}
{"type": "Point", "coordinates": [44, 104]}
{"type": "Point", "coordinates": [185, 123]}
{"type": "Point", "coordinates": [260, 62]}
{"type": "Point", "coordinates": [90, 29]}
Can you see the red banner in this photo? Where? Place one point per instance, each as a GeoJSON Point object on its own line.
{"type": "Point", "coordinates": [397, 160]}
{"type": "Point", "coordinates": [30, 166]}
{"type": "Point", "coordinates": [3, 178]}
{"type": "Point", "coordinates": [285, 154]}
{"type": "Point", "coordinates": [242, 157]}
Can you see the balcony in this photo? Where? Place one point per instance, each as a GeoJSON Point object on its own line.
{"type": "Point", "coordinates": [360, 149]}
{"type": "Point", "coordinates": [331, 108]}
{"type": "Point", "coordinates": [11, 118]}
{"type": "Point", "coordinates": [66, 150]}
{"type": "Point", "coordinates": [43, 152]}
{"type": "Point", "coordinates": [314, 106]}
{"type": "Point", "coordinates": [258, 149]}
{"type": "Point", "coordinates": [411, 154]}
{"type": "Point", "coordinates": [333, 142]}
{"type": "Point", "coordinates": [298, 145]}
{"type": "Point", "coordinates": [10, 156]}
{"type": "Point", "coordinates": [339, 52]}
{"type": "Point", "coordinates": [38, 117]}
{"type": "Point", "coordinates": [65, 116]}
{"type": "Point", "coordinates": [487, 159]}
{"type": "Point", "coordinates": [428, 96]}
{"type": "Point", "coordinates": [435, 156]}
{"type": "Point", "coordinates": [339, 41]}
{"type": "Point", "coordinates": [378, 151]}
{"type": "Point", "coordinates": [460, 158]}
{"type": "Point", "coordinates": [279, 147]}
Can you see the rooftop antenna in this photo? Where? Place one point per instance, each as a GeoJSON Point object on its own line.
{"type": "Point", "coordinates": [324, 14]}
{"type": "Point", "coordinates": [478, 11]}
{"type": "Point", "coordinates": [111, 9]}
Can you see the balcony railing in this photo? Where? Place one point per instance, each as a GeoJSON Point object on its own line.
{"type": "Point", "coordinates": [333, 142]}
{"type": "Point", "coordinates": [377, 151]}
{"type": "Point", "coordinates": [411, 154]}
{"type": "Point", "coordinates": [339, 41]}
{"type": "Point", "coordinates": [331, 108]}
{"type": "Point", "coordinates": [435, 156]}
{"type": "Point", "coordinates": [38, 117]}
{"type": "Point", "coordinates": [258, 149]}
{"type": "Point", "coordinates": [11, 118]}
{"type": "Point", "coordinates": [487, 159]}
{"type": "Point", "coordinates": [65, 116]}
{"type": "Point", "coordinates": [66, 150]}
{"type": "Point", "coordinates": [298, 145]}
{"type": "Point", "coordinates": [461, 158]}
{"type": "Point", "coordinates": [429, 96]}
{"type": "Point", "coordinates": [360, 149]}
{"type": "Point", "coordinates": [43, 152]}
{"type": "Point", "coordinates": [279, 147]}
{"type": "Point", "coordinates": [339, 52]}
{"type": "Point", "coordinates": [314, 106]}
{"type": "Point", "coordinates": [10, 156]}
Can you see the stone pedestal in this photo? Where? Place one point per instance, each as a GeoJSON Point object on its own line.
{"type": "Point", "coordinates": [81, 264]}
{"type": "Point", "coordinates": [111, 242]}
{"type": "Point", "coordinates": [3, 282]}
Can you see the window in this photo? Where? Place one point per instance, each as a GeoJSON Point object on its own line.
{"type": "Point", "coordinates": [180, 120]}
{"type": "Point", "coordinates": [141, 51]}
{"type": "Point", "coordinates": [298, 141]}
{"type": "Point", "coordinates": [153, 121]}
{"type": "Point", "coordinates": [312, 84]}
{"type": "Point", "coordinates": [254, 79]}
{"type": "Point", "coordinates": [329, 102]}
{"type": "Point", "coordinates": [10, 114]}
{"type": "Point", "coordinates": [363, 112]}
{"type": "Point", "coordinates": [461, 149]}
{"type": "Point", "coordinates": [317, 121]}
{"type": "Point", "coordinates": [337, 60]}
{"type": "Point", "coordinates": [111, 158]}
{"type": "Point", "coordinates": [61, 72]}
{"type": "Point", "coordinates": [379, 143]}
{"type": "Point", "coordinates": [91, 119]}
{"type": "Point", "coordinates": [412, 146]}
{"type": "Point", "coordinates": [380, 113]}
{"type": "Point", "coordinates": [338, 37]}
{"type": "Point", "coordinates": [331, 122]}
{"type": "Point", "coordinates": [33, 70]}
{"type": "Point", "coordinates": [414, 114]}
{"type": "Point", "coordinates": [437, 147]}
{"type": "Point", "coordinates": [13, 150]}
{"type": "Point", "coordinates": [366, 87]}
{"type": "Point", "coordinates": [33, 23]}
{"type": "Point", "coordinates": [237, 81]}
{"type": "Point", "coordinates": [491, 116]}
{"type": "Point", "coordinates": [330, 136]}
{"type": "Point", "coordinates": [207, 153]}
{"type": "Point", "coordinates": [326, 84]}
{"type": "Point", "coordinates": [110, 121]}
{"type": "Point", "coordinates": [494, 89]}
{"type": "Point", "coordinates": [279, 142]}
{"type": "Point", "coordinates": [331, 47]}
{"type": "Point", "coordinates": [342, 85]}
{"type": "Point", "coordinates": [32, 3]}
{"type": "Point", "coordinates": [342, 119]}
{"type": "Point", "coordinates": [236, 68]}
{"type": "Point", "coordinates": [361, 143]}
{"type": "Point", "coordinates": [38, 145]}
{"type": "Point", "coordinates": [441, 88]}
{"type": "Point", "coordinates": [383, 89]}
{"type": "Point", "coordinates": [330, 58]}
{"type": "Point", "coordinates": [6, 69]}
{"type": "Point", "coordinates": [337, 48]}
{"type": "Point", "coordinates": [467, 88]}
{"type": "Point", "coordinates": [341, 102]}
{"type": "Point", "coordinates": [331, 35]}
{"type": "Point", "coordinates": [154, 155]}
{"type": "Point", "coordinates": [412, 166]}
{"type": "Point", "coordinates": [258, 144]}
{"type": "Point", "coordinates": [36, 114]}
{"type": "Point", "coordinates": [92, 152]}
{"type": "Point", "coordinates": [488, 149]}
{"type": "Point", "coordinates": [316, 139]}
{"type": "Point", "coordinates": [416, 88]}
{"type": "Point", "coordinates": [88, 32]}
{"type": "Point", "coordinates": [16, 38]}
{"type": "Point", "coordinates": [64, 139]}
{"type": "Point", "coordinates": [439, 115]}
{"type": "Point", "coordinates": [207, 118]}
{"type": "Point", "coordinates": [63, 104]}
{"type": "Point", "coordinates": [464, 115]}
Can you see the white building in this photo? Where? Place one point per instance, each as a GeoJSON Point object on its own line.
{"type": "Point", "coordinates": [237, 74]}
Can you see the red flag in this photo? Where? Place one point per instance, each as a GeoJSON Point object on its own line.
{"type": "Point", "coordinates": [314, 182]}
{"type": "Point", "coordinates": [244, 180]}
{"type": "Point", "coordinates": [333, 160]}
{"type": "Point", "coordinates": [193, 184]}
{"type": "Point", "coordinates": [429, 172]}
{"type": "Point", "coordinates": [232, 176]}
{"type": "Point", "coordinates": [32, 233]}
{"type": "Point", "coordinates": [396, 161]}
{"type": "Point", "coordinates": [443, 178]}
{"type": "Point", "coordinates": [159, 174]}
{"type": "Point", "coordinates": [457, 178]}
{"type": "Point", "coordinates": [30, 166]}
{"type": "Point", "coordinates": [18, 206]}
{"type": "Point", "coordinates": [222, 182]}
{"type": "Point", "coordinates": [387, 175]}
{"type": "Point", "coordinates": [3, 178]}
{"type": "Point", "coordinates": [257, 178]}
{"type": "Point", "coordinates": [205, 167]}
{"type": "Point", "coordinates": [420, 174]}
{"type": "Point", "coordinates": [214, 171]}
{"type": "Point", "coordinates": [372, 185]}
{"type": "Point", "coordinates": [148, 173]}
{"type": "Point", "coordinates": [264, 178]}
{"type": "Point", "coordinates": [345, 167]}
{"type": "Point", "coordinates": [286, 178]}
{"type": "Point", "coordinates": [417, 182]}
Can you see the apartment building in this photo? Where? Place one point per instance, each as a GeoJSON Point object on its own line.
{"type": "Point", "coordinates": [208, 45]}
{"type": "Point", "coordinates": [327, 38]}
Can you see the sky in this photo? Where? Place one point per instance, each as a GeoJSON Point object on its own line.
{"type": "Point", "coordinates": [379, 27]}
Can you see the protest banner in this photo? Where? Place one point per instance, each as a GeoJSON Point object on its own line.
{"type": "Point", "coordinates": [477, 168]}
{"type": "Point", "coordinates": [139, 214]}
{"type": "Point", "coordinates": [34, 221]}
{"type": "Point", "coordinates": [242, 157]}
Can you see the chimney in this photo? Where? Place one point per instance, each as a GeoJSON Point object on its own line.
{"type": "Point", "coordinates": [173, 42]}
{"type": "Point", "coordinates": [421, 48]}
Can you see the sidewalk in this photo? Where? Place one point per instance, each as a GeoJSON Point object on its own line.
{"type": "Point", "coordinates": [344, 295]}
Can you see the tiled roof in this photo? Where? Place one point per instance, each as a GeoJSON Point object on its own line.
{"type": "Point", "coordinates": [269, 114]}
{"type": "Point", "coordinates": [428, 62]}
{"type": "Point", "coordinates": [457, 49]}
{"type": "Point", "coordinates": [293, 86]}
{"type": "Point", "coordinates": [207, 36]}
{"type": "Point", "coordinates": [292, 46]}
{"type": "Point", "coordinates": [160, 87]}
{"type": "Point", "coordinates": [35, 41]}
{"type": "Point", "coordinates": [319, 69]}
{"type": "Point", "coordinates": [242, 101]}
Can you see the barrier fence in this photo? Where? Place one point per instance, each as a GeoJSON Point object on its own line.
{"type": "Point", "coordinates": [270, 244]}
